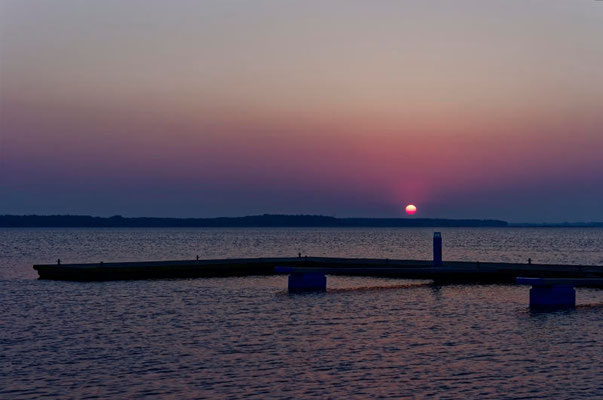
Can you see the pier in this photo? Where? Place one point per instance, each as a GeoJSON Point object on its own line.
{"type": "Point", "coordinates": [448, 271]}
{"type": "Point", "coordinates": [309, 270]}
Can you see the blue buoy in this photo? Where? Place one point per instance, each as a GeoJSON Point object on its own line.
{"type": "Point", "coordinates": [304, 279]}
{"type": "Point", "coordinates": [553, 292]}
{"type": "Point", "coordinates": [437, 248]}
{"type": "Point", "coordinates": [554, 296]}
{"type": "Point", "coordinates": [307, 282]}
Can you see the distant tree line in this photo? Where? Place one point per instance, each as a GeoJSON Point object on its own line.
{"type": "Point", "coordinates": [266, 220]}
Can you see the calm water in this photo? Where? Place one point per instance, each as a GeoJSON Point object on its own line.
{"type": "Point", "coordinates": [245, 337]}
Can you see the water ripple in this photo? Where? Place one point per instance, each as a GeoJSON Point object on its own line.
{"type": "Point", "coordinates": [245, 337]}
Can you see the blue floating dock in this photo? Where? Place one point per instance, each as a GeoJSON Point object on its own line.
{"type": "Point", "coordinates": [555, 292]}
{"type": "Point", "coordinates": [304, 280]}
{"type": "Point", "coordinates": [308, 282]}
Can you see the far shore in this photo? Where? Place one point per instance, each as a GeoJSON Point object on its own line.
{"type": "Point", "coordinates": [266, 220]}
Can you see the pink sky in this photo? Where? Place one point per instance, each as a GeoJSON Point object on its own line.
{"type": "Point", "coordinates": [477, 110]}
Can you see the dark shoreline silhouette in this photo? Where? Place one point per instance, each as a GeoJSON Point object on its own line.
{"type": "Point", "coordinates": [266, 220]}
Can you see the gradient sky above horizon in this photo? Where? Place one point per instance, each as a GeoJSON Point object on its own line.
{"type": "Point", "coordinates": [466, 108]}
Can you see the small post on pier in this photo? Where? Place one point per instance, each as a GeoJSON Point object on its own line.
{"type": "Point", "coordinates": [437, 249]}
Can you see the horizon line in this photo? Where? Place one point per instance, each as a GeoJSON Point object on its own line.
{"type": "Point", "coordinates": [322, 216]}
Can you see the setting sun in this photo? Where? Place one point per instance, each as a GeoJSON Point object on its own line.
{"type": "Point", "coordinates": [411, 209]}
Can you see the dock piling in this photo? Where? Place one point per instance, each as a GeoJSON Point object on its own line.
{"type": "Point", "coordinates": [547, 293]}
{"type": "Point", "coordinates": [554, 296]}
{"type": "Point", "coordinates": [308, 282]}
{"type": "Point", "coordinates": [303, 280]}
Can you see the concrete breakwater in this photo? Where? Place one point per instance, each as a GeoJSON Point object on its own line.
{"type": "Point", "coordinates": [447, 271]}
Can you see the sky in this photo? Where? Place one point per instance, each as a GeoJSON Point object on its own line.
{"type": "Point", "coordinates": [466, 108]}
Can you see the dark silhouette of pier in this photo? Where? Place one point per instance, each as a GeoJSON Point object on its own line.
{"type": "Point", "coordinates": [436, 269]}
{"type": "Point", "coordinates": [448, 271]}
